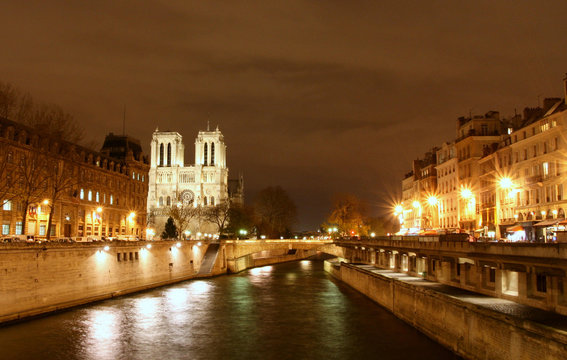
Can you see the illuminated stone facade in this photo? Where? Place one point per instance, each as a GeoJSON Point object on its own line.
{"type": "Point", "coordinates": [501, 178]}
{"type": "Point", "coordinates": [203, 184]}
{"type": "Point", "coordinates": [104, 194]}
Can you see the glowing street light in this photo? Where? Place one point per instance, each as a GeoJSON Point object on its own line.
{"type": "Point", "coordinates": [398, 209]}
{"type": "Point", "coordinates": [416, 204]}
{"type": "Point", "coordinates": [506, 183]}
{"type": "Point", "coordinates": [432, 200]}
{"type": "Point", "coordinates": [99, 209]}
{"type": "Point", "coordinates": [466, 193]}
{"type": "Point", "coordinates": [46, 202]}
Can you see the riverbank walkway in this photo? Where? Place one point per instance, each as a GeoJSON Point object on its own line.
{"type": "Point", "coordinates": [519, 312]}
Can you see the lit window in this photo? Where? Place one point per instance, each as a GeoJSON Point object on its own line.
{"type": "Point", "coordinates": [142, 178]}
{"type": "Point", "coordinates": [42, 230]}
{"type": "Point", "coordinates": [111, 200]}
{"type": "Point", "coordinates": [82, 195]}
{"type": "Point", "coordinates": [7, 205]}
{"type": "Point", "coordinates": [19, 228]}
{"type": "Point", "coordinates": [545, 169]}
{"type": "Point", "coordinates": [133, 175]}
{"type": "Point", "coordinates": [97, 197]}
{"type": "Point", "coordinates": [90, 196]}
{"type": "Point", "coordinates": [5, 229]}
{"type": "Point", "coordinates": [138, 176]}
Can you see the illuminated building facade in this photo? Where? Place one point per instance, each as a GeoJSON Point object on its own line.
{"type": "Point", "coordinates": [504, 178]}
{"type": "Point", "coordinates": [102, 194]}
{"type": "Point", "coordinates": [204, 184]}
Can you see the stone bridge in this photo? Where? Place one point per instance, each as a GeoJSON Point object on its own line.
{"type": "Point", "coordinates": [242, 254]}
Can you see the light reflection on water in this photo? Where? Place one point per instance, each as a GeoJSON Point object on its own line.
{"type": "Point", "coordinates": [288, 311]}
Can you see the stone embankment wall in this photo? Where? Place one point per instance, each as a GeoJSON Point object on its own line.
{"type": "Point", "coordinates": [471, 331]}
{"type": "Point", "coordinates": [40, 278]}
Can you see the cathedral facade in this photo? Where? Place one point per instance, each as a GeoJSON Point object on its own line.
{"type": "Point", "coordinates": [172, 183]}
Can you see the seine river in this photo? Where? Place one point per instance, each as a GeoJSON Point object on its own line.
{"type": "Point", "coordinates": [288, 311]}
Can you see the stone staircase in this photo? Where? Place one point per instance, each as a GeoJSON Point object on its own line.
{"type": "Point", "coordinates": [209, 259]}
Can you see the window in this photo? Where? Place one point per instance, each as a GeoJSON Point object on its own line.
{"type": "Point", "coordinates": [205, 155]}
{"type": "Point", "coordinates": [205, 201]}
{"type": "Point", "coordinates": [97, 197]}
{"type": "Point", "coordinates": [133, 175]}
{"type": "Point", "coordinates": [19, 228]}
{"type": "Point", "coordinates": [545, 167]}
{"type": "Point", "coordinates": [42, 230]}
{"type": "Point", "coordinates": [168, 154]}
{"type": "Point", "coordinates": [212, 154]}
{"type": "Point", "coordinates": [160, 202]}
{"type": "Point", "coordinates": [82, 194]}
{"type": "Point", "coordinates": [5, 229]}
{"type": "Point", "coordinates": [111, 200]}
{"type": "Point", "coordinates": [212, 201]}
{"type": "Point", "coordinates": [541, 283]}
{"type": "Point", "coordinates": [90, 196]}
{"type": "Point", "coordinates": [168, 201]}
{"type": "Point", "coordinates": [142, 178]}
{"type": "Point", "coordinates": [161, 159]}
{"type": "Point", "coordinates": [7, 206]}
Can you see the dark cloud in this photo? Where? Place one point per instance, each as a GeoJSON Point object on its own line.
{"type": "Point", "coordinates": [318, 97]}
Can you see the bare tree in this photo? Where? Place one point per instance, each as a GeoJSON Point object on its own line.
{"type": "Point", "coordinates": [275, 212]}
{"type": "Point", "coordinates": [182, 214]}
{"type": "Point", "coordinates": [50, 119]}
{"type": "Point", "coordinates": [8, 100]}
{"type": "Point", "coordinates": [31, 181]}
{"type": "Point", "coordinates": [219, 215]}
{"type": "Point", "coordinates": [7, 179]}
{"type": "Point", "coordinates": [61, 178]}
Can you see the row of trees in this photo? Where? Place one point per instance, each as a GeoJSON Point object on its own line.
{"type": "Point", "coordinates": [31, 176]}
{"type": "Point", "coordinates": [272, 214]}
{"type": "Point", "coordinates": [350, 216]}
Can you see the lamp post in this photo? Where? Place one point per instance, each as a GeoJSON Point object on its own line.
{"type": "Point", "coordinates": [433, 202]}
{"type": "Point", "coordinates": [504, 190]}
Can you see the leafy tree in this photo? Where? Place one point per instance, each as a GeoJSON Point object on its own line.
{"type": "Point", "coordinates": [170, 231]}
{"type": "Point", "coordinates": [275, 212]}
{"type": "Point", "coordinates": [349, 214]}
{"type": "Point", "coordinates": [240, 217]}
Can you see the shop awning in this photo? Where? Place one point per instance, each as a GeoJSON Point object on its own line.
{"type": "Point", "coordinates": [548, 222]}
{"type": "Point", "coordinates": [515, 228]}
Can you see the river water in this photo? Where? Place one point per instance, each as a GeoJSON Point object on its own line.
{"type": "Point", "coordinates": [288, 311]}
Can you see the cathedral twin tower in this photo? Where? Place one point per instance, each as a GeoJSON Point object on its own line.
{"type": "Point", "coordinates": [171, 183]}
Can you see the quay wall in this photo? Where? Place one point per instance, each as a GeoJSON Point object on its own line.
{"type": "Point", "coordinates": [41, 278]}
{"type": "Point", "coordinates": [471, 331]}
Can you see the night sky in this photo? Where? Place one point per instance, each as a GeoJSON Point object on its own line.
{"type": "Point", "coordinates": [320, 97]}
